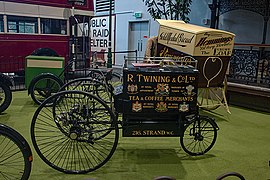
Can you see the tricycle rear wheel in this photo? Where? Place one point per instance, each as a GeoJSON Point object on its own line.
{"type": "Point", "coordinates": [77, 134]}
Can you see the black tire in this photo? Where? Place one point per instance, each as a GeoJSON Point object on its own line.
{"type": "Point", "coordinates": [199, 136]}
{"type": "Point", "coordinates": [235, 174]}
{"type": "Point", "coordinates": [5, 97]}
{"type": "Point", "coordinates": [77, 134]}
{"type": "Point", "coordinates": [43, 87]}
{"type": "Point", "coordinates": [15, 155]}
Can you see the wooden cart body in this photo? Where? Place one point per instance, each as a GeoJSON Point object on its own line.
{"type": "Point", "coordinates": [155, 100]}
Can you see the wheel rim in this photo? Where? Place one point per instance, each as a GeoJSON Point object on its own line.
{"type": "Point", "coordinates": [12, 162]}
{"type": "Point", "coordinates": [5, 97]}
{"type": "Point", "coordinates": [2, 96]}
{"type": "Point", "coordinates": [197, 141]}
{"type": "Point", "coordinates": [45, 88]}
{"type": "Point", "coordinates": [77, 134]}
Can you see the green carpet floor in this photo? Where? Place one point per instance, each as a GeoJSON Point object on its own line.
{"type": "Point", "coordinates": [243, 146]}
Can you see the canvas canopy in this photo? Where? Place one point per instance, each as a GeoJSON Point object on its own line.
{"type": "Point", "coordinates": [195, 40]}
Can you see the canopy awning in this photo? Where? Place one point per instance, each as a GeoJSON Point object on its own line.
{"type": "Point", "coordinates": [195, 40]}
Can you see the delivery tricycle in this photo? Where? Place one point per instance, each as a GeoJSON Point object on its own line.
{"type": "Point", "coordinates": [79, 131]}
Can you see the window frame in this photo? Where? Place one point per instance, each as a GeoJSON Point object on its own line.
{"type": "Point", "coordinates": [20, 23]}
{"type": "Point", "coordinates": [57, 26]}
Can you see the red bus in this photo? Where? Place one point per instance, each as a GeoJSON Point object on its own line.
{"type": "Point", "coordinates": [27, 25]}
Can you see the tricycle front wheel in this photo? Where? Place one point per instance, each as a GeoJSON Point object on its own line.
{"type": "Point", "coordinates": [199, 136]}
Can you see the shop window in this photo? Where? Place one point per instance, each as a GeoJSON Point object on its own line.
{"type": "Point", "coordinates": [53, 26]}
{"type": "Point", "coordinates": [19, 24]}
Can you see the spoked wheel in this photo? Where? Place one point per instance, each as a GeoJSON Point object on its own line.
{"type": "Point", "coordinates": [5, 97]}
{"type": "Point", "coordinates": [211, 98]}
{"type": "Point", "coordinates": [77, 134]}
{"type": "Point", "coordinates": [91, 86]}
{"type": "Point", "coordinates": [15, 155]}
{"type": "Point", "coordinates": [199, 136]}
{"type": "Point", "coordinates": [44, 86]}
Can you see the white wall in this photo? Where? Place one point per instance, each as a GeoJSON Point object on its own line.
{"type": "Point", "coordinates": [124, 10]}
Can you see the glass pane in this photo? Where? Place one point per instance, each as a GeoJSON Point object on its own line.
{"type": "Point", "coordinates": [1, 23]}
{"type": "Point", "coordinates": [45, 26]}
{"type": "Point", "coordinates": [135, 27]}
{"type": "Point", "coordinates": [63, 27]}
{"type": "Point", "coordinates": [21, 27]}
{"type": "Point", "coordinates": [29, 27]}
{"type": "Point", "coordinates": [12, 27]}
{"type": "Point", "coordinates": [139, 26]}
{"type": "Point", "coordinates": [53, 26]}
{"type": "Point", "coordinates": [144, 26]}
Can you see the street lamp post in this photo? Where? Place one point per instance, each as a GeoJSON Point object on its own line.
{"type": "Point", "coordinates": [109, 63]}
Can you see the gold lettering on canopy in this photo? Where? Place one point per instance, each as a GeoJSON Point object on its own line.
{"type": "Point", "coordinates": [175, 38]}
{"type": "Point", "coordinates": [205, 41]}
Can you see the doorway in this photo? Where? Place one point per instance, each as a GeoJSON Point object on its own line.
{"type": "Point", "coordinates": [138, 35]}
